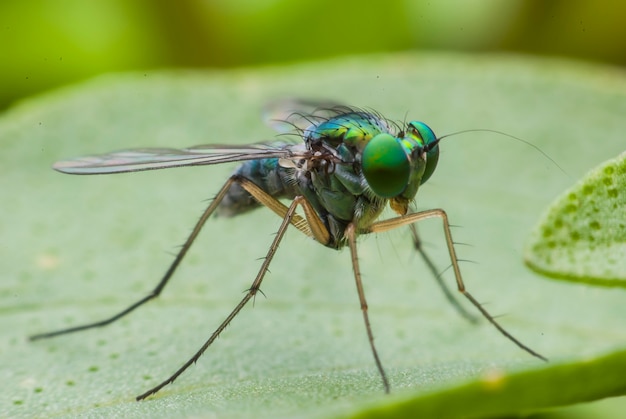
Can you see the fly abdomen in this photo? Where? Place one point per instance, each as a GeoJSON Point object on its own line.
{"type": "Point", "coordinates": [265, 173]}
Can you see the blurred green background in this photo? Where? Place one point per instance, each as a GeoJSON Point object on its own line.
{"type": "Point", "coordinates": [47, 43]}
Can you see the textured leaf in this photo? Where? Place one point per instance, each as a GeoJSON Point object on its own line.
{"type": "Point", "coordinates": [582, 236]}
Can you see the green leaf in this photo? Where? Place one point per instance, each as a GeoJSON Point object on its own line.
{"type": "Point", "coordinates": [582, 236]}
{"type": "Point", "coordinates": [80, 248]}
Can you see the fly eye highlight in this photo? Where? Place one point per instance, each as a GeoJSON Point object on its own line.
{"type": "Point", "coordinates": [385, 164]}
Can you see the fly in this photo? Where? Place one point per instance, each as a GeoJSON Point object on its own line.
{"type": "Point", "coordinates": [350, 165]}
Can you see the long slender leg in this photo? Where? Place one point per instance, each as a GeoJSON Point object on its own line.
{"type": "Point", "coordinates": [254, 288]}
{"type": "Point", "coordinates": [417, 243]}
{"type": "Point", "coordinates": [314, 229]}
{"type": "Point", "coordinates": [392, 223]}
{"type": "Point", "coordinates": [351, 235]}
{"type": "Point", "coordinates": [156, 291]}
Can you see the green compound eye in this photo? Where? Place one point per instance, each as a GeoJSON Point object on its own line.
{"type": "Point", "coordinates": [427, 136]}
{"type": "Point", "coordinates": [386, 166]}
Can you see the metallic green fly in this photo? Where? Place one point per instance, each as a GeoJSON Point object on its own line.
{"type": "Point", "coordinates": [349, 165]}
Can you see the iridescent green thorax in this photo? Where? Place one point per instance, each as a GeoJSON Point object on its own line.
{"type": "Point", "coordinates": [353, 130]}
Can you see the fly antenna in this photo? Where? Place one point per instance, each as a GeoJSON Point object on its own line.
{"type": "Point", "coordinates": [513, 137]}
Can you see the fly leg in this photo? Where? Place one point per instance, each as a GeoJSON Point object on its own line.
{"type": "Point", "coordinates": [157, 290]}
{"type": "Point", "coordinates": [311, 226]}
{"type": "Point", "coordinates": [417, 244]}
{"type": "Point", "coordinates": [252, 291]}
{"type": "Point", "coordinates": [351, 235]}
{"type": "Point", "coordinates": [393, 223]}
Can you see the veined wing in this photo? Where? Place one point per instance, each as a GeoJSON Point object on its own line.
{"type": "Point", "coordinates": [140, 159]}
{"type": "Point", "coordinates": [290, 114]}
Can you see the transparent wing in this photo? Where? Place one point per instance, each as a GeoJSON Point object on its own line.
{"type": "Point", "coordinates": [160, 158]}
{"type": "Point", "coordinates": [291, 114]}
